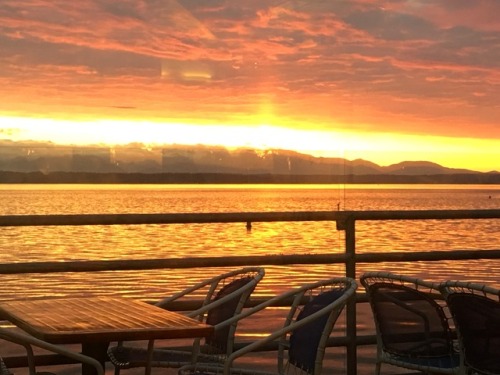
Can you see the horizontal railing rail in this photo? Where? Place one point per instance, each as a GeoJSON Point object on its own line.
{"type": "Point", "coordinates": [279, 260]}
{"type": "Point", "coordinates": [345, 221]}
{"type": "Point", "coordinates": [239, 217]}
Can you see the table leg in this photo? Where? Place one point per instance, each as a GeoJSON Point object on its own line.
{"type": "Point", "coordinates": [96, 350]}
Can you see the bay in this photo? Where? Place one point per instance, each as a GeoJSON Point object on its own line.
{"type": "Point", "coordinates": [72, 243]}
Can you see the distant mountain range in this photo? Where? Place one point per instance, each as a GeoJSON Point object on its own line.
{"type": "Point", "coordinates": [47, 162]}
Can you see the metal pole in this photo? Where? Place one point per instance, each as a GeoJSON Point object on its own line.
{"type": "Point", "coordinates": [350, 269]}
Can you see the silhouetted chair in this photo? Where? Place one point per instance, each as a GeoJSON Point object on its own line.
{"type": "Point", "coordinates": [412, 327]}
{"type": "Point", "coordinates": [225, 296]}
{"type": "Point", "coordinates": [30, 342]}
{"type": "Point", "coordinates": [476, 312]}
{"type": "Point", "coordinates": [302, 339]}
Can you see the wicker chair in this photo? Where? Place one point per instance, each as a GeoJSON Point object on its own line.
{"type": "Point", "coordinates": [476, 312]}
{"type": "Point", "coordinates": [412, 326]}
{"type": "Point", "coordinates": [225, 296]}
{"type": "Point", "coordinates": [30, 342]}
{"type": "Point", "coordinates": [302, 340]}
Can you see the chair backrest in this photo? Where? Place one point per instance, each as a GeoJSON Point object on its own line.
{"type": "Point", "coordinates": [225, 297]}
{"type": "Point", "coordinates": [306, 340]}
{"type": "Point", "coordinates": [409, 321]}
{"type": "Point", "coordinates": [314, 308]}
{"type": "Point", "coordinates": [310, 321]}
{"type": "Point", "coordinates": [220, 338]}
{"type": "Point", "coordinates": [476, 312]}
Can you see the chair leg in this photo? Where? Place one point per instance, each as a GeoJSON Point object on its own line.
{"type": "Point", "coordinates": [117, 370]}
{"type": "Point", "coordinates": [147, 370]}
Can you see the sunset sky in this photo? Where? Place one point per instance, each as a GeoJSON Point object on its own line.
{"type": "Point", "coordinates": [385, 81]}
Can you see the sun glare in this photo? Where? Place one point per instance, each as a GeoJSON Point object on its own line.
{"type": "Point", "coordinates": [383, 149]}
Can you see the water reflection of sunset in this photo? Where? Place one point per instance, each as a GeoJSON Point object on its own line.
{"type": "Point", "coordinates": [142, 242]}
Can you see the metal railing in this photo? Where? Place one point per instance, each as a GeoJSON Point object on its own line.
{"type": "Point", "coordinates": [345, 221]}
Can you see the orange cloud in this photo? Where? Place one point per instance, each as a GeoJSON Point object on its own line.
{"type": "Point", "coordinates": [406, 66]}
{"type": "Point", "coordinates": [478, 15]}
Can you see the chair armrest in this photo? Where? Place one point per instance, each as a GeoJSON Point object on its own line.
{"type": "Point", "coordinates": [29, 341]}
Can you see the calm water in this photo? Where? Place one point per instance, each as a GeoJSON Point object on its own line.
{"type": "Point", "coordinates": [157, 241]}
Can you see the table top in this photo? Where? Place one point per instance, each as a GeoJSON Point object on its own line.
{"type": "Point", "coordinates": [99, 319]}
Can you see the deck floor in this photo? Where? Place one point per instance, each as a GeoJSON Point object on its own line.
{"type": "Point", "coordinates": [334, 363]}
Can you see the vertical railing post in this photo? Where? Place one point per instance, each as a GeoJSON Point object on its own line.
{"type": "Point", "coordinates": [348, 225]}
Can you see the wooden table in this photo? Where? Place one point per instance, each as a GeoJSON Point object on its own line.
{"type": "Point", "coordinates": [96, 321]}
